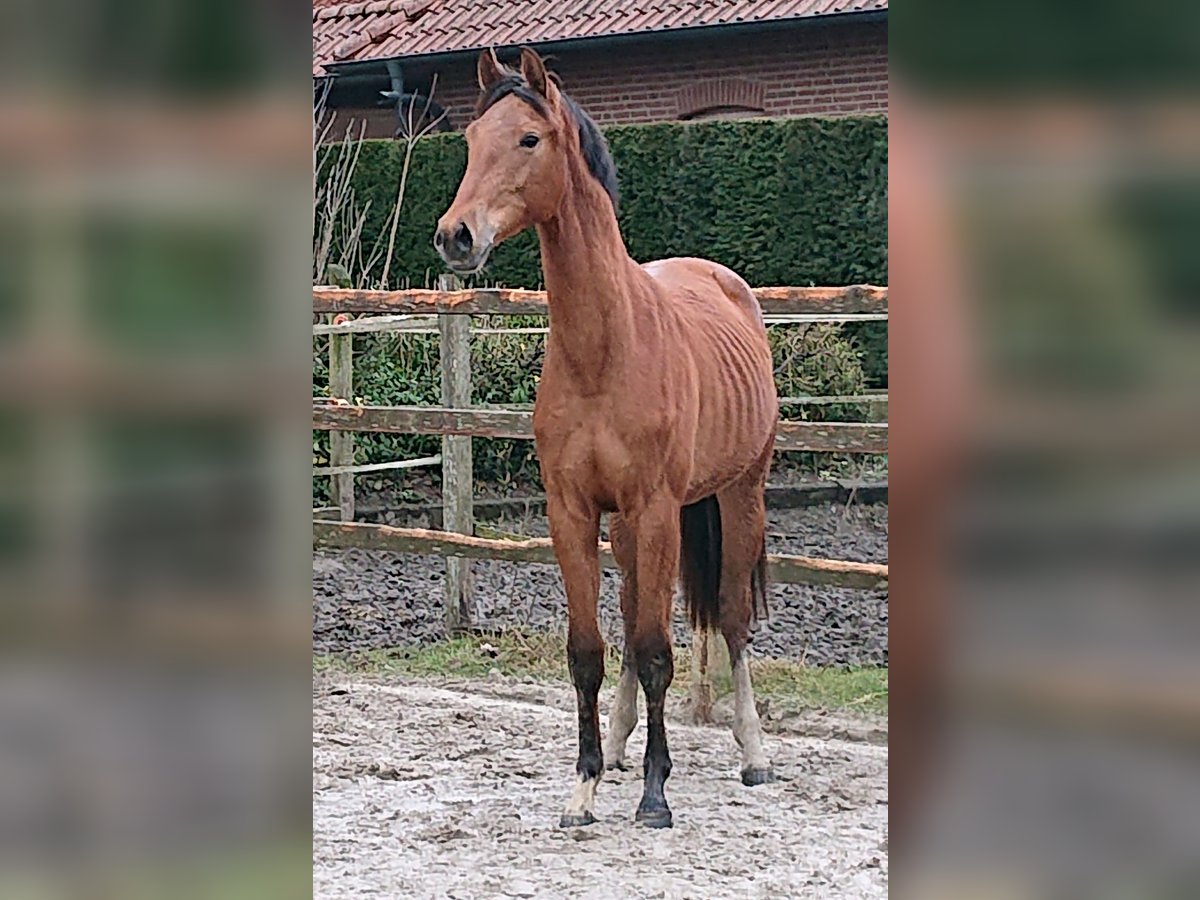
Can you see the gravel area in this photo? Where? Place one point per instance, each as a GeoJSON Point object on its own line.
{"type": "Point", "coordinates": [436, 790]}
{"type": "Point", "coordinates": [367, 600]}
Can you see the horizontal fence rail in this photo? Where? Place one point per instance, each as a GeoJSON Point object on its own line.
{"type": "Point", "coordinates": [878, 398]}
{"type": "Point", "coordinates": [319, 471]}
{"type": "Point", "coordinates": [875, 398]}
{"type": "Point", "coordinates": [822, 437]}
{"type": "Point", "coordinates": [780, 569]}
{"type": "Point", "coordinates": [421, 323]}
{"type": "Point", "coordinates": [823, 301]}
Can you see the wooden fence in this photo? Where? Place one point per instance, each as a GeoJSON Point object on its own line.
{"type": "Point", "coordinates": [457, 422]}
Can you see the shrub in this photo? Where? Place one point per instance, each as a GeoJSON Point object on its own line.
{"type": "Point", "coordinates": [780, 201]}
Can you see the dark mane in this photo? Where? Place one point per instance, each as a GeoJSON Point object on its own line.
{"type": "Point", "coordinates": [595, 150]}
{"type": "Point", "coordinates": [511, 83]}
{"type": "Point", "coordinates": [592, 144]}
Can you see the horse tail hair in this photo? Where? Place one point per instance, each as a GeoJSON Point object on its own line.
{"type": "Point", "coordinates": [700, 561]}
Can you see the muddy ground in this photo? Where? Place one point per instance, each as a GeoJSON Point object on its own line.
{"type": "Point", "coordinates": [454, 790]}
{"type": "Point", "coordinates": [365, 600]}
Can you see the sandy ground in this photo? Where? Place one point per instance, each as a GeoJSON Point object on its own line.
{"type": "Point", "coordinates": [454, 790]}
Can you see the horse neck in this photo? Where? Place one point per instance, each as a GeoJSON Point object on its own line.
{"type": "Point", "coordinates": [588, 276]}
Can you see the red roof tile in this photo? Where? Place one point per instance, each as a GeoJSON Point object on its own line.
{"type": "Point", "coordinates": [383, 29]}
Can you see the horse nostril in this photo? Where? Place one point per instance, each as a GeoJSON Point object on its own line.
{"type": "Point", "coordinates": [463, 239]}
{"type": "Point", "coordinates": [439, 238]}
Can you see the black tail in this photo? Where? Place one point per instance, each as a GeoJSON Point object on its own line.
{"type": "Point", "coordinates": [700, 565]}
{"type": "Point", "coordinates": [700, 561]}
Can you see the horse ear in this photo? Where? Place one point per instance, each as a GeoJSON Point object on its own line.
{"type": "Point", "coordinates": [534, 71]}
{"type": "Point", "coordinates": [488, 71]}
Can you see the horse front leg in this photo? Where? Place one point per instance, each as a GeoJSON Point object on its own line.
{"type": "Point", "coordinates": [575, 533]}
{"type": "Point", "coordinates": [658, 539]}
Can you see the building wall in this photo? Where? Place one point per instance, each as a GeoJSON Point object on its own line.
{"type": "Point", "coordinates": [806, 70]}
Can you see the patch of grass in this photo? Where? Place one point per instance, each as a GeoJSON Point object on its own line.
{"type": "Point", "coordinates": [823, 688]}
{"type": "Point", "coordinates": [541, 656]}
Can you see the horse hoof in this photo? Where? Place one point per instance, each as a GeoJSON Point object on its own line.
{"type": "Point", "coordinates": [617, 765]}
{"type": "Point", "coordinates": [654, 818]}
{"type": "Point", "coordinates": [753, 775]}
{"type": "Point", "coordinates": [576, 820]}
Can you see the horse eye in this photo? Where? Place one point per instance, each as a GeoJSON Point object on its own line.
{"type": "Point", "coordinates": [530, 140]}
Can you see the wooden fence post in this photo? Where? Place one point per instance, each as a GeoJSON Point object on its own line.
{"type": "Point", "coordinates": [709, 655]}
{"type": "Point", "coordinates": [341, 443]}
{"type": "Point", "coordinates": [454, 346]}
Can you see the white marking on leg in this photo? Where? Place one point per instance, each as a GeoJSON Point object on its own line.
{"type": "Point", "coordinates": [623, 718]}
{"type": "Point", "coordinates": [747, 729]}
{"type": "Point", "coordinates": [584, 798]}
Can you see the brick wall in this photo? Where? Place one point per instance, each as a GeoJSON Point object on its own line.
{"type": "Point", "coordinates": [806, 70]}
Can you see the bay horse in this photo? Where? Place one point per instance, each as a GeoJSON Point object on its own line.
{"type": "Point", "coordinates": [656, 404]}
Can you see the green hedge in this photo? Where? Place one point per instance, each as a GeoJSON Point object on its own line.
{"type": "Point", "coordinates": [781, 201]}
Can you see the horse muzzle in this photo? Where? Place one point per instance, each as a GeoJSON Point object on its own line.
{"type": "Point", "coordinates": [462, 250]}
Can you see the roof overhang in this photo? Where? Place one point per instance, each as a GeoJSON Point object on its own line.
{"type": "Point", "coordinates": [731, 29]}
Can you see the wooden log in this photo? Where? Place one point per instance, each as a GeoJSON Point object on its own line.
{"type": "Point", "coordinates": [780, 569]}
{"type": "Point", "coordinates": [832, 572]}
{"type": "Point", "coordinates": [833, 437]}
{"type": "Point", "coordinates": [497, 423]}
{"type": "Point", "coordinates": [341, 443]}
{"type": "Point", "coordinates": [817, 437]}
{"type": "Point", "coordinates": [372, 324]}
{"type": "Point", "coordinates": [858, 298]}
{"type": "Point", "coordinates": [457, 469]}
{"type": "Point", "coordinates": [426, 542]}
{"type": "Point", "coordinates": [499, 301]}
{"type": "Point", "coordinates": [504, 301]}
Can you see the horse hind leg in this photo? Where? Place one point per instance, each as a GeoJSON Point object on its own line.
{"type": "Point", "coordinates": [743, 526]}
{"type": "Point", "coordinates": [624, 716]}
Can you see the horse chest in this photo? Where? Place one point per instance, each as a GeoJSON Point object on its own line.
{"type": "Point", "coordinates": [594, 456]}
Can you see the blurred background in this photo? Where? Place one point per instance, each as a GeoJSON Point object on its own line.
{"type": "Point", "coordinates": [1045, 508]}
{"type": "Point", "coordinates": [155, 183]}
{"type": "Point", "coordinates": [155, 231]}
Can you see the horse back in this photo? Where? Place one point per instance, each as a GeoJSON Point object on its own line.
{"type": "Point", "coordinates": [708, 280]}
